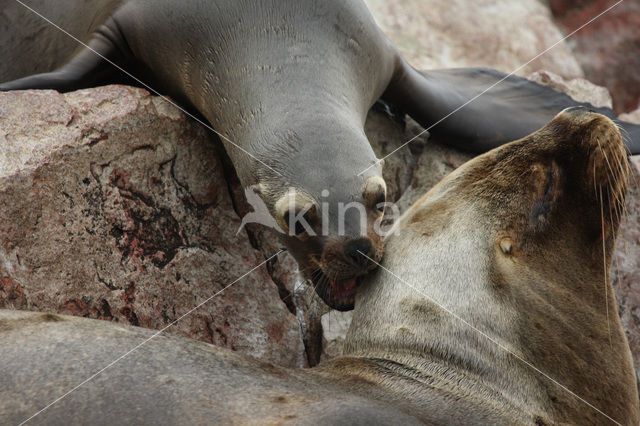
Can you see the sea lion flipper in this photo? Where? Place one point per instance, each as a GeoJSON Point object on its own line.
{"type": "Point", "coordinates": [477, 109]}
{"type": "Point", "coordinates": [90, 67]}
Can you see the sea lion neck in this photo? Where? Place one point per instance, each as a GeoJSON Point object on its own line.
{"type": "Point", "coordinates": [298, 150]}
{"type": "Point", "coordinates": [442, 319]}
{"type": "Point", "coordinates": [401, 381]}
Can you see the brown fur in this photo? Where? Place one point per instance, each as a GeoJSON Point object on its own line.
{"type": "Point", "coordinates": [547, 205]}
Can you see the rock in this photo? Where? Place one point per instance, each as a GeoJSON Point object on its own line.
{"type": "Point", "coordinates": [608, 49]}
{"type": "Point", "coordinates": [625, 273]}
{"type": "Point", "coordinates": [631, 117]}
{"type": "Point", "coordinates": [578, 88]}
{"type": "Point", "coordinates": [503, 34]}
{"type": "Point", "coordinates": [116, 206]}
{"type": "Point", "coordinates": [335, 325]}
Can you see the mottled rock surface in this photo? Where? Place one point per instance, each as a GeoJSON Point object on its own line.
{"type": "Point", "coordinates": [578, 88]}
{"type": "Point", "coordinates": [502, 34]}
{"type": "Point", "coordinates": [115, 206]}
{"type": "Point", "coordinates": [608, 49]}
{"type": "Point", "coordinates": [626, 264]}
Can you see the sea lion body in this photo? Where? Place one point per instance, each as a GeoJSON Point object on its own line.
{"type": "Point", "coordinates": [287, 85]}
{"type": "Point", "coordinates": [490, 308]}
{"type": "Point", "coordinates": [168, 380]}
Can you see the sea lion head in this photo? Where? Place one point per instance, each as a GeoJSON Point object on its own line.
{"type": "Point", "coordinates": [329, 214]}
{"type": "Point", "coordinates": [511, 254]}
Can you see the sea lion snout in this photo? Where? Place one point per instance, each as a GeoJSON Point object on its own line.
{"type": "Point", "coordinates": [335, 236]}
{"type": "Point", "coordinates": [358, 250]}
{"type": "Point", "coordinates": [599, 159]}
{"type": "Point", "coordinates": [344, 262]}
{"type": "Point", "coordinates": [352, 256]}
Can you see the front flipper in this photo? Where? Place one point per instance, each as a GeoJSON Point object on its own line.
{"type": "Point", "coordinates": [91, 67]}
{"type": "Point", "coordinates": [512, 109]}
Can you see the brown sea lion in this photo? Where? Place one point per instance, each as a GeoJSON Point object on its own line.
{"type": "Point", "coordinates": [287, 85]}
{"type": "Point", "coordinates": [493, 306]}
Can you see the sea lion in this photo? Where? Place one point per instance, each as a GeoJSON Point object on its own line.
{"type": "Point", "coordinates": [492, 306]}
{"type": "Point", "coordinates": [287, 85]}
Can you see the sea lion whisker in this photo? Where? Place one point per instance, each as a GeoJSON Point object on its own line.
{"type": "Point", "coordinates": [604, 263]}
{"type": "Point", "coordinates": [615, 210]}
{"type": "Point", "coordinates": [612, 176]}
{"type": "Point", "coordinates": [622, 166]}
{"type": "Point", "coordinates": [614, 196]}
{"type": "Point", "coordinates": [626, 137]}
{"type": "Point", "coordinates": [315, 279]}
{"type": "Point", "coordinates": [317, 274]}
{"type": "Point", "coordinates": [604, 154]}
{"type": "Point", "coordinates": [620, 205]}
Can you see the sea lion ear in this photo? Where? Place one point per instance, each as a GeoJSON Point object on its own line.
{"type": "Point", "coordinates": [545, 185]}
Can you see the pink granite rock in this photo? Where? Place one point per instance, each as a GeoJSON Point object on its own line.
{"type": "Point", "coordinates": [502, 34]}
{"type": "Point", "coordinates": [626, 266]}
{"type": "Point", "coordinates": [578, 88]}
{"type": "Point", "coordinates": [115, 206]}
{"type": "Point", "coordinates": [608, 49]}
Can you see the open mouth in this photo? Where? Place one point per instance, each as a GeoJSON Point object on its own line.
{"type": "Point", "coordinates": [339, 294]}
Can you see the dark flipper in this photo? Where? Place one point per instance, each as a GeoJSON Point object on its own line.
{"type": "Point", "coordinates": [513, 108]}
{"type": "Point", "coordinates": [89, 68]}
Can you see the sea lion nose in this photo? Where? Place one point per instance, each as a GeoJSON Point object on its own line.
{"type": "Point", "coordinates": [358, 250]}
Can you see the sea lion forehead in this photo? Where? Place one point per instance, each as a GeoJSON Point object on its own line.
{"type": "Point", "coordinates": [361, 189]}
{"type": "Point", "coordinates": [339, 183]}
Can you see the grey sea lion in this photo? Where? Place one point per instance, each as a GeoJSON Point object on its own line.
{"type": "Point", "coordinates": [492, 306]}
{"type": "Point", "coordinates": [287, 85]}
